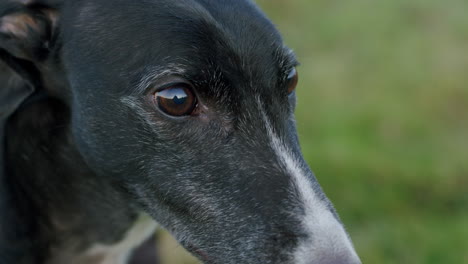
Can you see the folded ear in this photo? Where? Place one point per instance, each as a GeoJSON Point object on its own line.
{"type": "Point", "coordinates": [27, 33]}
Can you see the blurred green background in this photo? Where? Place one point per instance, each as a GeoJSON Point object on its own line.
{"type": "Point", "coordinates": [383, 121]}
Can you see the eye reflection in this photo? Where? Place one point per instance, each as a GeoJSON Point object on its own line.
{"type": "Point", "coordinates": [177, 95]}
{"type": "Point", "coordinates": [177, 100]}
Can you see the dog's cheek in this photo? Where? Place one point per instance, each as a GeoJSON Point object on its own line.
{"type": "Point", "coordinates": [108, 139]}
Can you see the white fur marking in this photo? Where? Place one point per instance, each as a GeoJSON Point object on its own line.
{"type": "Point", "coordinates": [328, 237]}
{"type": "Point", "coordinates": [119, 253]}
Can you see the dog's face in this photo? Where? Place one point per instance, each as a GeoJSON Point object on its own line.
{"type": "Point", "coordinates": [189, 106]}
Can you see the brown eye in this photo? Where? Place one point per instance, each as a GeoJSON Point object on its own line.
{"type": "Point", "coordinates": [177, 100]}
{"type": "Point", "coordinates": [293, 78]}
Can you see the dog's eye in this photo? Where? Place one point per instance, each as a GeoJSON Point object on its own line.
{"type": "Point", "coordinates": [293, 78]}
{"type": "Point", "coordinates": [176, 100]}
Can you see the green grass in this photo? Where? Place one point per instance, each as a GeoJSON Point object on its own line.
{"type": "Point", "coordinates": [383, 119]}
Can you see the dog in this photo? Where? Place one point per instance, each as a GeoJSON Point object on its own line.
{"type": "Point", "coordinates": [122, 116]}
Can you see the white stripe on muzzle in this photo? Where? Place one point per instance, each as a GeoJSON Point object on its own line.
{"type": "Point", "coordinates": [328, 241]}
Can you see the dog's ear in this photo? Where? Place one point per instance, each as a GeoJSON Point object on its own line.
{"type": "Point", "coordinates": [27, 33]}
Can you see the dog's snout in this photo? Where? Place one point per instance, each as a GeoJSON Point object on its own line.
{"type": "Point", "coordinates": [328, 243]}
{"type": "Point", "coordinates": [333, 257]}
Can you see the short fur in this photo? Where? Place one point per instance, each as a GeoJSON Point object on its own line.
{"type": "Point", "coordinates": [94, 153]}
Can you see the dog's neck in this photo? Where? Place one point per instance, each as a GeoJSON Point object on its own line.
{"type": "Point", "coordinates": [56, 207]}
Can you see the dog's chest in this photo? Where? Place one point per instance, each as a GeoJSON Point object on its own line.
{"type": "Point", "coordinates": [117, 253]}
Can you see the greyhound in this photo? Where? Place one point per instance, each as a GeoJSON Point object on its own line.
{"type": "Point", "coordinates": [121, 116]}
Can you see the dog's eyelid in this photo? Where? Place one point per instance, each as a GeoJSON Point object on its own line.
{"type": "Point", "coordinates": [292, 73]}
{"type": "Point", "coordinates": [289, 66]}
{"type": "Point", "coordinates": [288, 72]}
{"type": "Point", "coordinates": [172, 84]}
{"type": "Point", "coordinates": [293, 65]}
{"type": "Point", "coordinates": [157, 76]}
{"type": "Point", "coordinates": [152, 84]}
{"type": "Point", "coordinates": [289, 58]}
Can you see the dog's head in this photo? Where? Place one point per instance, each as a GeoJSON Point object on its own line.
{"type": "Point", "coordinates": [189, 105]}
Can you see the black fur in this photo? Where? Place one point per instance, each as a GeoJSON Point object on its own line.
{"type": "Point", "coordinates": [81, 164]}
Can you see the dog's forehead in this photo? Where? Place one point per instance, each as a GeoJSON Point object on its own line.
{"type": "Point", "coordinates": [232, 35]}
{"type": "Point", "coordinates": [235, 18]}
